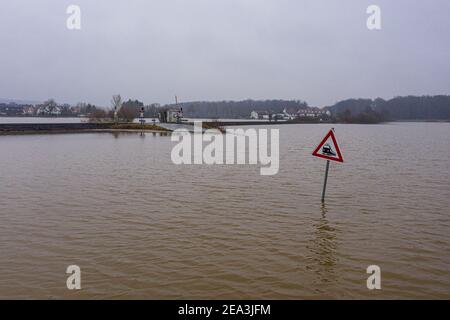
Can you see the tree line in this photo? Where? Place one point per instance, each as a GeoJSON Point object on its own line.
{"type": "Point", "coordinates": [398, 108]}
{"type": "Point", "coordinates": [347, 111]}
{"type": "Point", "coordinates": [237, 109]}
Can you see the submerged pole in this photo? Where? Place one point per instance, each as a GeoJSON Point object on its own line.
{"type": "Point", "coordinates": [325, 181]}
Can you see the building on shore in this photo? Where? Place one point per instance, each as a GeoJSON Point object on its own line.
{"type": "Point", "coordinates": [28, 110]}
{"type": "Point", "coordinates": [261, 115]}
{"type": "Point", "coordinates": [312, 113]}
{"type": "Point", "coordinates": [48, 110]}
{"type": "Point", "coordinates": [171, 115]}
{"type": "Point", "coordinates": [254, 115]}
{"type": "Point", "coordinates": [285, 115]}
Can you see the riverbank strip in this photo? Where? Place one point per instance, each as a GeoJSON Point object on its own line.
{"type": "Point", "coordinates": [58, 128]}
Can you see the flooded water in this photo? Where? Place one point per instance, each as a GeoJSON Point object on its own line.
{"type": "Point", "coordinates": [140, 227]}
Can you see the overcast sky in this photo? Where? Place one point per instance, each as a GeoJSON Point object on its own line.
{"type": "Point", "coordinates": [315, 50]}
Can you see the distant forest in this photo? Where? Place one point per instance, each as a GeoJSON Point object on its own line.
{"type": "Point", "coordinates": [351, 110]}
{"type": "Point", "coordinates": [399, 108]}
{"type": "Point", "coordinates": [237, 109]}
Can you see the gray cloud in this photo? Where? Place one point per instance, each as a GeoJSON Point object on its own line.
{"type": "Point", "coordinates": [316, 50]}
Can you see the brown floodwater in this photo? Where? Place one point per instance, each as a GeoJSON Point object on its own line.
{"type": "Point", "coordinates": [141, 227]}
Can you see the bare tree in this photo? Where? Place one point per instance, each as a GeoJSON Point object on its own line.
{"type": "Point", "coordinates": [127, 113]}
{"type": "Point", "coordinates": [98, 115]}
{"type": "Point", "coordinates": [116, 103]}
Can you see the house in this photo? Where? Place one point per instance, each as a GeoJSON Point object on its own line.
{"type": "Point", "coordinates": [28, 110]}
{"type": "Point", "coordinates": [171, 116]}
{"type": "Point", "coordinates": [48, 110]}
{"type": "Point", "coordinates": [312, 113]}
{"type": "Point", "coordinates": [265, 115]}
{"type": "Point", "coordinates": [287, 116]}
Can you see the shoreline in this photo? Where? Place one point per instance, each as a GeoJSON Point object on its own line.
{"type": "Point", "coordinates": [80, 131]}
{"type": "Point", "coordinates": [63, 128]}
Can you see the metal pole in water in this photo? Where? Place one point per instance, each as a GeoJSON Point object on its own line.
{"type": "Point", "coordinates": [325, 181]}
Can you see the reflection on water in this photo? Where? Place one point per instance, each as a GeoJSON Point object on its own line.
{"type": "Point", "coordinates": [142, 134]}
{"type": "Point", "coordinates": [323, 248]}
{"type": "Point", "coordinates": [141, 227]}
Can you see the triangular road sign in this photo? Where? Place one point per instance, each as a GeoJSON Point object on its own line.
{"type": "Point", "coordinates": [329, 149]}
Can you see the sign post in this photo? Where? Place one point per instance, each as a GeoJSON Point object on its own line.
{"type": "Point", "coordinates": [328, 149]}
{"type": "Point", "coordinates": [327, 168]}
{"type": "Point", "coordinates": [141, 116]}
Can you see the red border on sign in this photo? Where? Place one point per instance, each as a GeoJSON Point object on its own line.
{"type": "Point", "coordinates": [339, 154]}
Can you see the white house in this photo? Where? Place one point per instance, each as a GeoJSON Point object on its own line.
{"type": "Point", "coordinates": [48, 110]}
{"type": "Point", "coordinates": [254, 115]}
{"type": "Point", "coordinates": [311, 113]}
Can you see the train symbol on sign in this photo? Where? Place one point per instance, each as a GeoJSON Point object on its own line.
{"type": "Point", "coordinates": [326, 149]}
